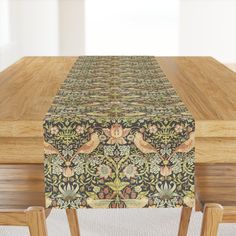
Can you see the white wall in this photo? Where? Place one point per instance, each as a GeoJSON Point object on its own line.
{"type": "Point", "coordinates": [35, 26]}
{"type": "Point", "coordinates": [157, 27]}
{"type": "Point", "coordinates": [7, 55]}
{"type": "Point", "coordinates": [71, 22]}
{"type": "Point", "coordinates": [4, 22]}
{"type": "Point", "coordinates": [151, 27]}
{"type": "Point", "coordinates": [43, 28]}
{"type": "Point", "coordinates": [33, 30]}
{"type": "Point", "coordinates": [208, 27]}
{"type": "Point", "coordinates": [124, 27]}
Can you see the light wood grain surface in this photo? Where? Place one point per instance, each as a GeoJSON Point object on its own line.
{"type": "Point", "coordinates": [205, 86]}
{"type": "Point", "coordinates": [184, 221]}
{"type": "Point", "coordinates": [27, 88]}
{"type": "Point", "coordinates": [212, 217]}
{"type": "Point", "coordinates": [72, 218]}
{"type": "Point", "coordinates": [33, 217]}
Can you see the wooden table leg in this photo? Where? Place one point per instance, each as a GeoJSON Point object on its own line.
{"type": "Point", "coordinates": [184, 221]}
{"type": "Point", "coordinates": [198, 204]}
{"type": "Point", "coordinates": [36, 220]}
{"type": "Point", "coordinates": [212, 216]}
{"type": "Point", "coordinates": [47, 212]}
{"type": "Point", "coordinates": [73, 222]}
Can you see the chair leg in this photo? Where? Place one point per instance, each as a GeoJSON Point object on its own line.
{"type": "Point", "coordinates": [184, 221]}
{"type": "Point", "coordinates": [212, 217]}
{"type": "Point", "coordinates": [73, 222]}
{"type": "Point", "coordinates": [36, 221]}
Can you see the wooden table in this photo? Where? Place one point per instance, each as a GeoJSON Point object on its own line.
{"type": "Point", "coordinates": [205, 86]}
{"type": "Point", "coordinates": [26, 91]}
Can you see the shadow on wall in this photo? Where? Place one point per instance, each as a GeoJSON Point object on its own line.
{"type": "Point", "coordinates": [71, 27]}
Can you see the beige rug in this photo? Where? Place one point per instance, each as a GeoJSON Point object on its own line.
{"type": "Point", "coordinates": [130, 222]}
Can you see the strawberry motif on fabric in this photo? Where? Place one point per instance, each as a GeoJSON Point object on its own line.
{"type": "Point", "coordinates": [118, 136]}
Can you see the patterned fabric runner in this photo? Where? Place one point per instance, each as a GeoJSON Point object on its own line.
{"type": "Point", "coordinates": [118, 135]}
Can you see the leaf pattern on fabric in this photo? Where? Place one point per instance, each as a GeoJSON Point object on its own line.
{"type": "Point", "coordinates": [117, 135]}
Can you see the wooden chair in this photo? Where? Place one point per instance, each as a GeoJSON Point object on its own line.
{"type": "Point", "coordinates": [213, 215]}
{"type": "Point", "coordinates": [21, 187]}
{"type": "Point", "coordinates": [33, 217]}
{"type": "Point", "coordinates": [215, 197]}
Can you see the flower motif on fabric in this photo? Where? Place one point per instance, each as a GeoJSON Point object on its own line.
{"type": "Point", "coordinates": [54, 130]}
{"type": "Point", "coordinates": [104, 171]}
{"type": "Point", "coordinates": [152, 129]}
{"type": "Point", "coordinates": [116, 134]}
{"type": "Point", "coordinates": [80, 129]}
{"type": "Point", "coordinates": [130, 171]}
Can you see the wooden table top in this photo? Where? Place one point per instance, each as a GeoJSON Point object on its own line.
{"type": "Point", "coordinates": [26, 91]}
{"type": "Point", "coordinates": [205, 86]}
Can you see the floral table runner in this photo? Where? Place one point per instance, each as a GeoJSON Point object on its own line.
{"type": "Point", "coordinates": [117, 135]}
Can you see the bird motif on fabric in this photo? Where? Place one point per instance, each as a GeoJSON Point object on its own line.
{"type": "Point", "coordinates": [49, 149]}
{"type": "Point", "coordinates": [90, 146]}
{"type": "Point", "coordinates": [116, 134]}
{"type": "Point", "coordinates": [142, 145]}
{"type": "Point", "coordinates": [188, 145]}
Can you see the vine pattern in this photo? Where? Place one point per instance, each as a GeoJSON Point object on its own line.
{"type": "Point", "coordinates": [117, 135]}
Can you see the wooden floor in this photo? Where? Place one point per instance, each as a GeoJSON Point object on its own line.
{"type": "Point", "coordinates": [22, 186]}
